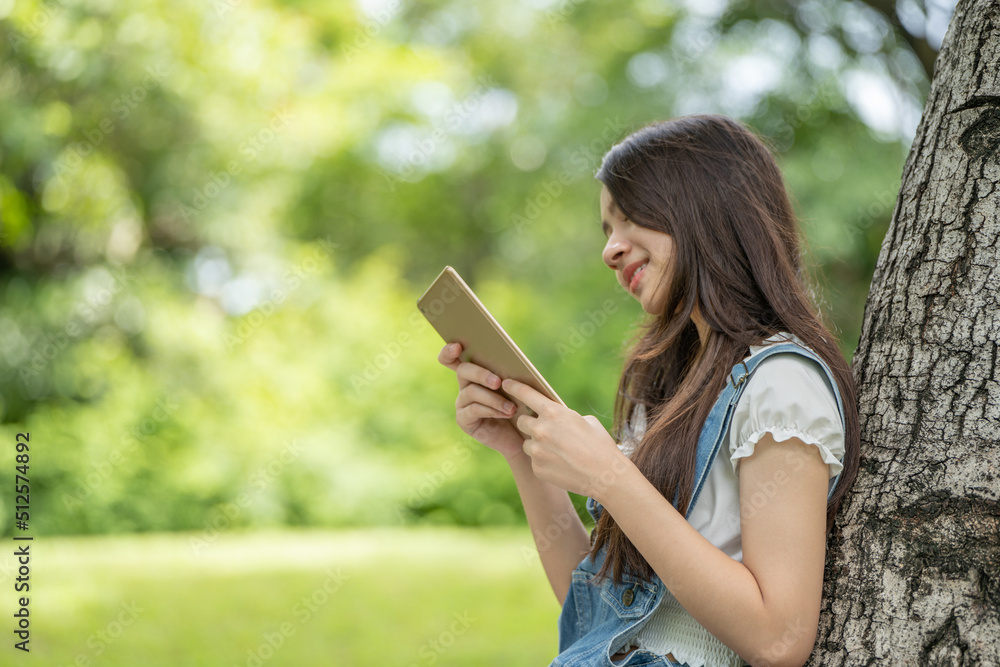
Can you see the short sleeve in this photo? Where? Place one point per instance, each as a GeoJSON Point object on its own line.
{"type": "Point", "coordinates": [634, 431]}
{"type": "Point", "coordinates": [788, 396]}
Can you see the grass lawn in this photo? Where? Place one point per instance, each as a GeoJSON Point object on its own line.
{"type": "Point", "coordinates": [367, 597]}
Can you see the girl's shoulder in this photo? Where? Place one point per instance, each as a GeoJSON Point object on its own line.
{"type": "Point", "coordinates": [792, 384]}
{"type": "Point", "coordinates": [777, 339]}
{"type": "Point", "coordinates": [788, 395]}
{"type": "Point", "coordinates": [789, 373]}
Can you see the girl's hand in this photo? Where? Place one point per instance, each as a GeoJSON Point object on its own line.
{"type": "Point", "coordinates": [568, 450]}
{"type": "Point", "coordinates": [479, 410]}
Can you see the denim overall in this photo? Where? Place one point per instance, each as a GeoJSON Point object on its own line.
{"type": "Point", "coordinates": [598, 619]}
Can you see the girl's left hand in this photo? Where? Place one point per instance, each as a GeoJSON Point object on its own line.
{"type": "Point", "coordinates": [568, 450]}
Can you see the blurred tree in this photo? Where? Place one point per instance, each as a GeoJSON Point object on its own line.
{"type": "Point", "coordinates": [920, 22]}
{"type": "Point", "coordinates": [230, 207]}
{"type": "Point", "coordinates": [913, 572]}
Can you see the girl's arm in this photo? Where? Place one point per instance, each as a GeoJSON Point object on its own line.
{"type": "Point", "coordinates": [481, 412]}
{"type": "Point", "coordinates": [560, 537]}
{"type": "Point", "coordinates": [767, 607]}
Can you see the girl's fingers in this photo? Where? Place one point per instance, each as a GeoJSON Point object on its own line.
{"type": "Point", "coordinates": [470, 372]}
{"type": "Point", "coordinates": [474, 394]}
{"type": "Point", "coordinates": [449, 355]}
{"type": "Point", "coordinates": [476, 398]}
{"type": "Point", "coordinates": [467, 371]}
{"type": "Point", "coordinates": [477, 411]}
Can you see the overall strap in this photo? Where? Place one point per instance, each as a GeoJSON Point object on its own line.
{"type": "Point", "coordinates": [717, 424]}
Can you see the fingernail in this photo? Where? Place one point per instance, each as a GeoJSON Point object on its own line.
{"type": "Point", "coordinates": [506, 384]}
{"type": "Point", "coordinates": [508, 406]}
{"type": "Point", "coordinates": [493, 380]}
{"type": "Point", "coordinates": [453, 347]}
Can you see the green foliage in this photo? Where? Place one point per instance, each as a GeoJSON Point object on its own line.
{"type": "Point", "coordinates": [216, 219]}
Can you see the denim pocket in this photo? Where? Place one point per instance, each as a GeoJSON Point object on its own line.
{"type": "Point", "coordinates": [633, 598]}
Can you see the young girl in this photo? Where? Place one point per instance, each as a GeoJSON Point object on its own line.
{"type": "Point", "coordinates": [735, 431]}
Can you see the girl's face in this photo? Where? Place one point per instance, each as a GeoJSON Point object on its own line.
{"type": "Point", "coordinates": [641, 258]}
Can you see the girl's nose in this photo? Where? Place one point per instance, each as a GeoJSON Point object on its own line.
{"type": "Point", "coordinates": [615, 249]}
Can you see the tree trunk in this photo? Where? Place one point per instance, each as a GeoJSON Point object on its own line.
{"type": "Point", "coordinates": [913, 567]}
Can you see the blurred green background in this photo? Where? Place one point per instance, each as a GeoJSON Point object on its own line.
{"type": "Point", "coordinates": [216, 219]}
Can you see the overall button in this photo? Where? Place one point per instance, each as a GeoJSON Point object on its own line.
{"type": "Point", "coordinates": [627, 597]}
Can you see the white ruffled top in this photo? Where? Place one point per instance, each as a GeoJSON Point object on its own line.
{"type": "Point", "coordinates": [787, 396]}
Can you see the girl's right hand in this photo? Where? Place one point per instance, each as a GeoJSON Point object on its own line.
{"type": "Point", "coordinates": [480, 410]}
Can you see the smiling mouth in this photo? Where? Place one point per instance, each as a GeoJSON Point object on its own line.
{"type": "Point", "coordinates": [636, 277]}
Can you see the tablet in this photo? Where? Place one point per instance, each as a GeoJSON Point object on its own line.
{"type": "Point", "coordinates": [460, 317]}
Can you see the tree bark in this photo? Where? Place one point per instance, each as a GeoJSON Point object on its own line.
{"type": "Point", "coordinates": [913, 566]}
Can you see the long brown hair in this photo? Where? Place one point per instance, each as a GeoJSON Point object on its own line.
{"type": "Point", "coordinates": [713, 186]}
